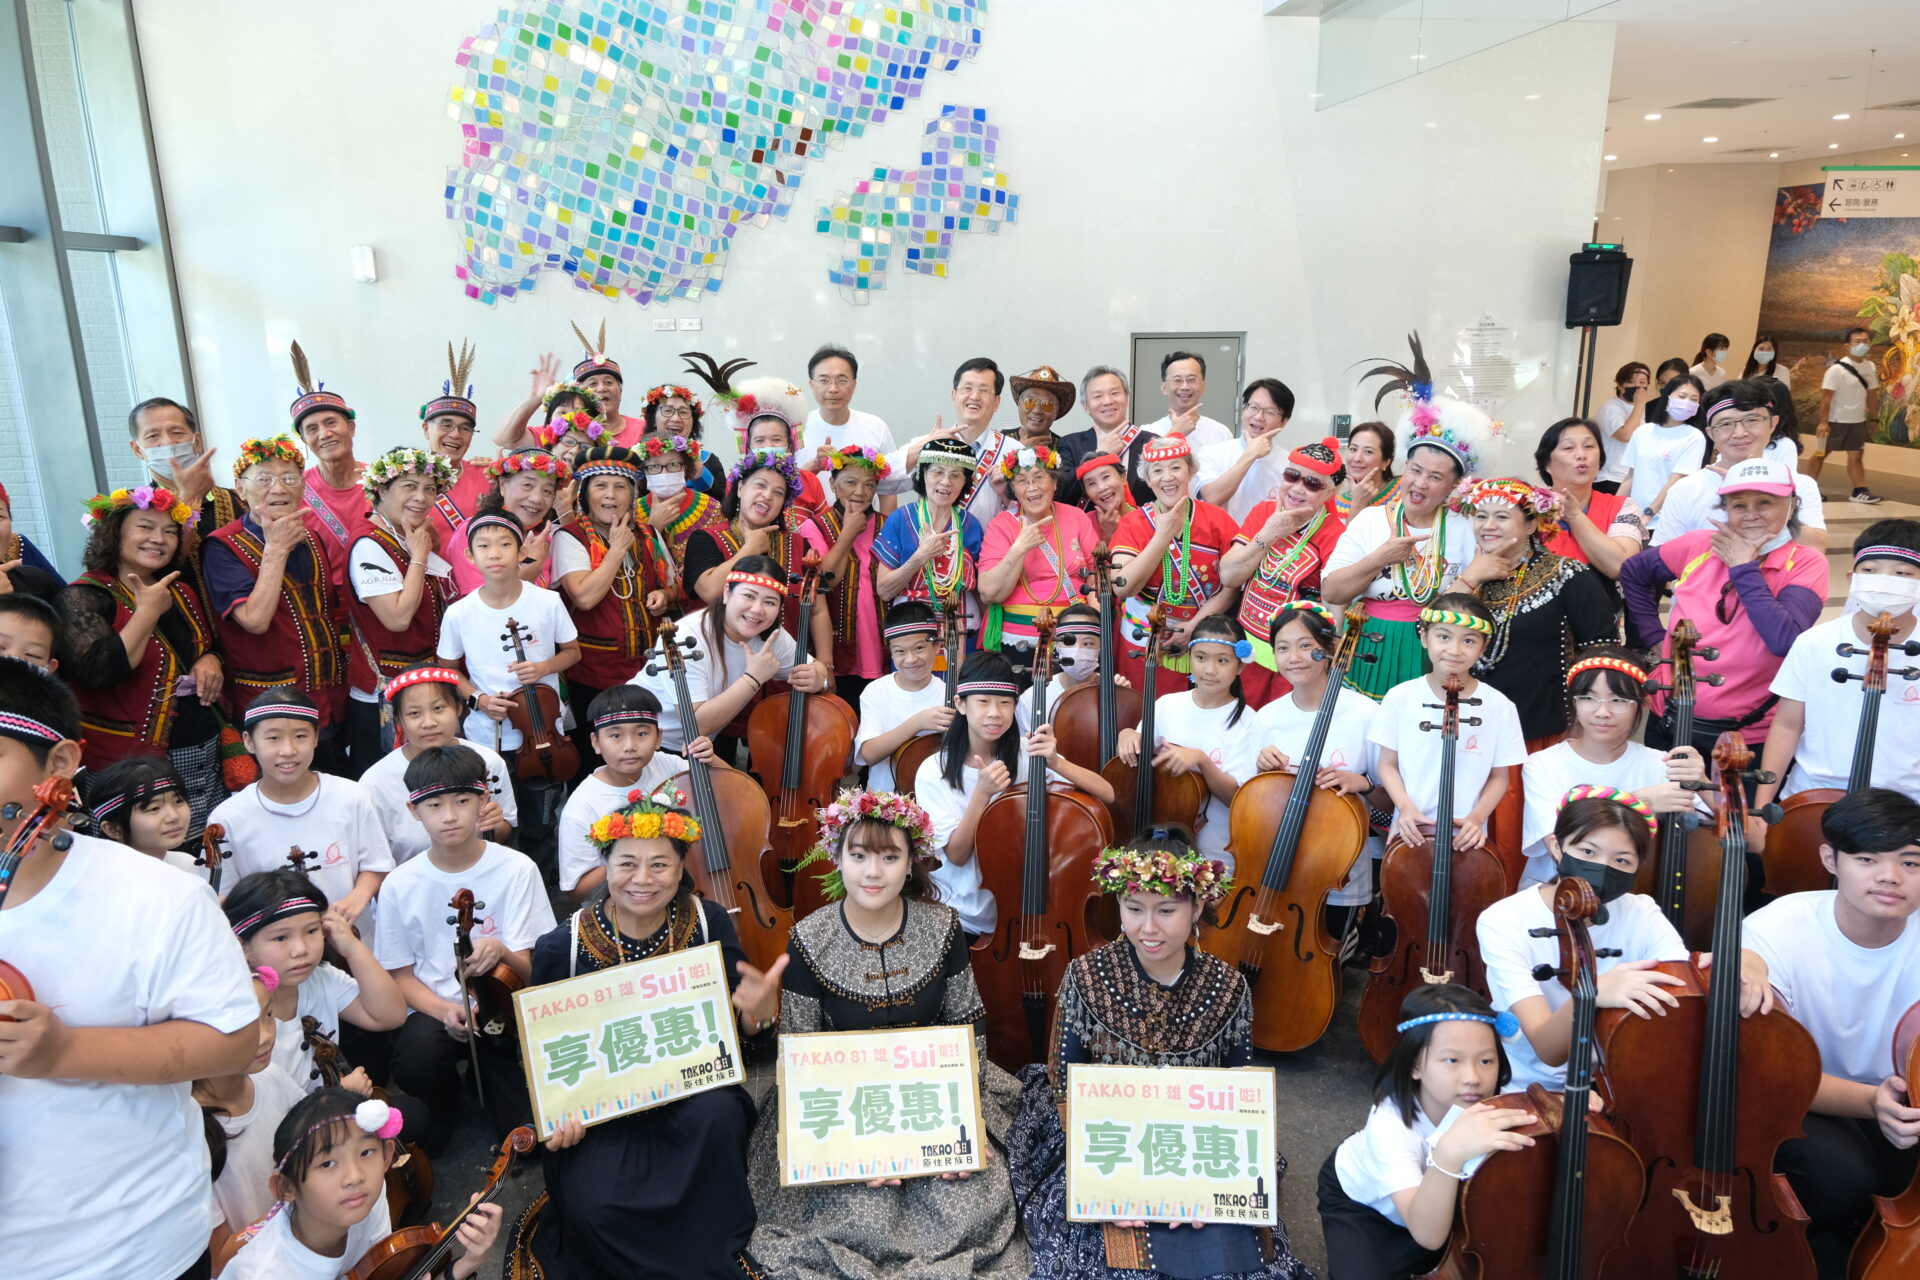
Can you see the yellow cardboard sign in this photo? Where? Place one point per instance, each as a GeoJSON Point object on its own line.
{"type": "Point", "coordinates": [1164, 1144]}
{"type": "Point", "coordinates": [859, 1105]}
{"type": "Point", "coordinates": [628, 1038]}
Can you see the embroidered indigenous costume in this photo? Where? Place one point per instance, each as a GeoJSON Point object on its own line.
{"type": "Point", "coordinates": [1288, 571]}
{"type": "Point", "coordinates": [853, 598]}
{"type": "Point", "coordinates": [616, 633]}
{"type": "Point", "coordinates": [377, 654]}
{"type": "Point", "coordinates": [459, 498]}
{"type": "Point", "coordinates": [333, 509]}
{"type": "Point", "coordinates": [626, 430]}
{"type": "Point", "coordinates": [694, 510]}
{"type": "Point", "coordinates": [1188, 574]}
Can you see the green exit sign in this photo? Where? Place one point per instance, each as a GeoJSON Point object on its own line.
{"type": "Point", "coordinates": [1613, 248]}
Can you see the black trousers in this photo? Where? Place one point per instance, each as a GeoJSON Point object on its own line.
{"type": "Point", "coordinates": [426, 1065]}
{"type": "Point", "coordinates": [579, 698]}
{"type": "Point", "coordinates": [200, 1270]}
{"type": "Point", "coordinates": [1836, 1170]}
{"type": "Point", "coordinates": [1362, 1243]}
{"type": "Point", "coordinates": [362, 737]}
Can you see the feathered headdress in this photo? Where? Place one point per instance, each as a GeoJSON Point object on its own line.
{"type": "Point", "coordinates": [1455, 427]}
{"type": "Point", "coordinates": [716, 375]}
{"type": "Point", "coordinates": [309, 395]}
{"type": "Point", "coordinates": [456, 393]}
{"type": "Point", "coordinates": [768, 398]}
{"type": "Point", "coordinates": [596, 361]}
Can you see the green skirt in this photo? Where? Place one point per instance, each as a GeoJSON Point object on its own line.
{"type": "Point", "coordinates": [1397, 657]}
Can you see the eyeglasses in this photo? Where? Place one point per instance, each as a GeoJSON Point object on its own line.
{"type": "Point", "coordinates": [837, 383]}
{"type": "Point", "coordinates": [664, 468]}
{"type": "Point", "coordinates": [1589, 701]}
{"type": "Point", "coordinates": [459, 427]}
{"type": "Point", "coordinates": [1260, 411]}
{"type": "Point", "coordinates": [1755, 420]}
{"type": "Point", "coordinates": [675, 411]}
{"type": "Point", "coordinates": [286, 480]}
{"type": "Point", "coordinates": [1314, 484]}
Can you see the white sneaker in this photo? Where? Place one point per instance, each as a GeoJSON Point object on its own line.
{"type": "Point", "coordinates": [1865, 498]}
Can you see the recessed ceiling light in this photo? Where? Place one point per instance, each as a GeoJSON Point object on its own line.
{"type": "Point", "coordinates": [1651, 115]}
{"type": "Point", "coordinates": [1898, 136]}
{"type": "Point", "coordinates": [1833, 146]}
{"type": "Point", "coordinates": [1609, 157]}
{"type": "Point", "coordinates": [1532, 97]}
{"type": "Point", "coordinates": [1773, 155]}
{"type": "Point", "coordinates": [1417, 57]}
{"type": "Point", "coordinates": [1433, 124]}
{"type": "Point", "coordinates": [1843, 116]}
{"type": "Point", "coordinates": [1740, 41]}
{"type": "Point", "coordinates": [1709, 139]}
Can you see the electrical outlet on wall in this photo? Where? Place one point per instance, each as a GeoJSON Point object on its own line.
{"type": "Point", "coordinates": [663, 324]}
{"type": "Point", "coordinates": [690, 324]}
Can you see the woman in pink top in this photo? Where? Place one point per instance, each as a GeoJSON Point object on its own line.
{"type": "Point", "coordinates": [1748, 587]}
{"type": "Point", "coordinates": [853, 603]}
{"type": "Point", "coordinates": [1036, 555]}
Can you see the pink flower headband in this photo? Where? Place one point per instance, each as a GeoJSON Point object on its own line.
{"type": "Point", "coordinates": [550, 433]}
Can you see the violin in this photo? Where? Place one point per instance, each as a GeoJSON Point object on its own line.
{"type": "Point", "coordinates": [1889, 1247]}
{"type": "Point", "coordinates": [1036, 846]}
{"type": "Point", "coordinates": [305, 861]}
{"type": "Point", "coordinates": [1435, 881]}
{"type": "Point", "coordinates": [1707, 1097]}
{"type": "Point", "coordinates": [1558, 1209]}
{"type": "Point", "coordinates": [546, 754]}
{"type": "Point", "coordinates": [733, 814]}
{"type": "Point", "coordinates": [1087, 719]}
{"type": "Point", "coordinates": [1146, 795]}
{"type": "Point", "coordinates": [1791, 853]}
{"type": "Point", "coordinates": [1685, 878]}
{"type": "Point", "coordinates": [488, 997]}
{"type": "Point", "coordinates": [1293, 844]}
{"type": "Point", "coordinates": [410, 1176]}
{"type": "Point", "coordinates": [212, 838]}
{"type": "Point", "coordinates": [799, 745]}
{"type": "Point", "coordinates": [31, 826]}
{"type": "Point", "coordinates": [915, 751]}
{"type": "Point", "coordinates": [414, 1253]}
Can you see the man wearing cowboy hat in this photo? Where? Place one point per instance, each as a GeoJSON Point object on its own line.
{"type": "Point", "coordinates": [1041, 398]}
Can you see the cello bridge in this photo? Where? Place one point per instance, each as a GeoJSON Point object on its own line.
{"type": "Point", "coordinates": [1445, 975]}
{"type": "Point", "coordinates": [1030, 952]}
{"type": "Point", "coordinates": [1717, 1222]}
{"type": "Point", "coordinates": [1263, 927]}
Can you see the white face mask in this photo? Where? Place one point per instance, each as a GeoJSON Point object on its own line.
{"type": "Point", "coordinates": [1777, 541]}
{"type": "Point", "coordinates": [163, 458]}
{"type": "Point", "coordinates": [1763, 355]}
{"type": "Point", "coordinates": [1078, 663]}
{"type": "Point", "coordinates": [666, 483]}
{"type": "Point", "coordinates": [1879, 593]}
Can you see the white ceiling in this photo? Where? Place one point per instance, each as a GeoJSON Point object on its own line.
{"type": "Point", "coordinates": [1811, 56]}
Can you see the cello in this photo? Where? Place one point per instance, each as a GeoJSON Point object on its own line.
{"type": "Point", "coordinates": [1685, 878]}
{"type": "Point", "coordinates": [1036, 846]}
{"type": "Point", "coordinates": [1448, 887]}
{"type": "Point", "coordinates": [917, 750]}
{"type": "Point", "coordinates": [410, 1176]}
{"type": "Point", "coordinates": [800, 745]}
{"type": "Point", "coordinates": [1557, 1209]}
{"type": "Point", "coordinates": [733, 814]}
{"type": "Point", "coordinates": [1293, 844]}
{"type": "Point", "coordinates": [1144, 795]}
{"type": "Point", "coordinates": [51, 799]}
{"type": "Point", "coordinates": [1889, 1247]}
{"type": "Point", "coordinates": [212, 853]}
{"type": "Point", "coordinates": [487, 997]}
{"type": "Point", "coordinates": [1087, 719]}
{"type": "Point", "coordinates": [545, 754]}
{"type": "Point", "coordinates": [414, 1253]}
{"type": "Point", "coordinates": [1791, 853]}
{"type": "Point", "coordinates": [1707, 1097]}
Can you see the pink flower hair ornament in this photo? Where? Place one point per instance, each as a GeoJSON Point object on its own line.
{"type": "Point", "coordinates": [1168, 872]}
{"type": "Point", "coordinates": [852, 806]}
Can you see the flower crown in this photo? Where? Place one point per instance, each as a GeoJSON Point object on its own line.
{"type": "Point", "coordinates": [559, 389]}
{"type": "Point", "coordinates": [1471, 495]}
{"type": "Point", "coordinates": [659, 446]}
{"type": "Point", "coordinates": [1024, 459]}
{"type": "Point", "coordinates": [394, 463]}
{"type": "Point", "coordinates": [551, 432]}
{"type": "Point", "coordinates": [668, 390]}
{"type": "Point", "coordinates": [530, 460]}
{"type": "Point", "coordinates": [280, 448]}
{"type": "Point", "coordinates": [755, 459]}
{"type": "Point", "coordinates": [853, 455]}
{"type": "Point", "coordinates": [851, 806]}
{"type": "Point", "coordinates": [145, 498]}
{"type": "Point", "coordinates": [1163, 871]}
{"type": "Point", "coordinates": [1428, 429]}
{"type": "Point", "coordinates": [646, 817]}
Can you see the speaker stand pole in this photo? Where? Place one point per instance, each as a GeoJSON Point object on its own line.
{"type": "Point", "coordinates": [1589, 345]}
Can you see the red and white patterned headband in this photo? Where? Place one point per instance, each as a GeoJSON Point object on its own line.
{"type": "Point", "coordinates": [741, 578]}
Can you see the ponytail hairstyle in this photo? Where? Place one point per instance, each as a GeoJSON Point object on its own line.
{"type": "Point", "coordinates": [1395, 1078]}
{"type": "Point", "coordinates": [1221, 629]}
{"type": "Point", "coordinates": [1712, 342]}
{"type": "Point", "coordinates": [988, 667]}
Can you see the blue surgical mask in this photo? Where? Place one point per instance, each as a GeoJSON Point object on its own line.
{"type": "Point", "coordinates": [1720, 355]}
{"type": "Point", "coordinates": [1763, 355]}
{"type": "Point", "coordinates": [1681, 410]}
{"type": "Point", "coordinates": [1776, 542]}
{"type": "Point", "coordinates": [1860, 349]}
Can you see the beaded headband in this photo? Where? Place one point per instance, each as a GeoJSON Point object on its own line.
{"type": "Point", "coordinates": [1455, 618]}
{"type": "Point", "coordinates": [106, 809]}
{"type": "Point", "coordinates": [394, 463]}
{"type": "Point", "coordinates": [900, 630]}
{"type": "Point", "coordinates": [535, 460]}
{"type": "Point", "coordinates": [646, 817]}
{"type": "Point", "coordinates": [279, 448]}
{"type": "Point", "coordinates": [373, 1117]}
{"type": "Point", "coordinates": [1307, 606]}
{"type": "Point", "coordinates": [1615, 794]}
{"type": "Point", "coordinates": [740, 577]}
{"type": "Point", "coordinates": [633, 716]}
{"type": "Point", "coordinates": [1504, 1024]}
{"type": "Point", "coordinates": [250, 925]}
{"type": "Point", "coordinates": [1166, 449]}
{"type": "Point", "coordinates": [1886, 553]}
{"type": "Point", "coordinates": [941, 458]}
{"type": "Point", "coordinates": [1026, 460]}
{"type": "Point", "coordinates": [1004, 688]}
{"type": "Point", "coordinates": [421, 675]}
{"type": "Point", "coordinates": [495, 520]}
{"type": "Point", "coordinates": [280, 711]}
{"type": "Point", "coordinates": [1242, 649]}
{"type": "Point", "coordinates": [1096, 462]}
{"type": "Point", "coordinates": [433, 789]}
{"type": "Point", "coordinates": [1621, 665]}
{"type": "Point", "coordinates": [28, 729]}
{"type": "Point", "coordinates": [607, 460]}
{"type": "Point", "coordinates": [1471, 495]}
{"type": "Point", "coordinates": [144, 497]}
{"type": "Point", "coordinates": [1163, 871]}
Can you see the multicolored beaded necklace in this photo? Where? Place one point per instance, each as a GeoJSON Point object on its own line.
{"type": "Point", "coordinates": [1421, 583]}
{"type": "Point", "coordinates": [941, 585]}
{"type": "Point", "coordinates": [1273, 573]}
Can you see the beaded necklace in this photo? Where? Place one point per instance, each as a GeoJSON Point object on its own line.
{"type": "Point", "coordinates": [1174, 565]}
{"type": "Point", "coordinates": [1273, 573]}
{"type": "Point", "coordinates": [626, 582]}
{"type": "Point", "coordinates": [1422, 582]}
{"type": "Point", "coordinates": [941, 585]}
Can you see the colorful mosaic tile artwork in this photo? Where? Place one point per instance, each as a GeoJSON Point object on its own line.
{"type": "Point", "coordinates": [626, 143]}
{"type": "Point", "coordinates": [956, 187]}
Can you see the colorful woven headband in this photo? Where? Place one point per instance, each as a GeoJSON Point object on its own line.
{"type": "Point", "coordinates": [535, 460]}
{"type": "Point", "coordinates": [1886, 553]}
{"type": "Point", "coordinates": [1471, 495]}
{"type": "Point", "coordinates": [112, 805]}
{"type": "Point", "coordinates": [1615, 794]}
{"type": "Point", "coordinates": [646, 817]}
{"type": "Point", "coordinates": [931, 457]}
{"type": "Point", "coordinates": [998, 688]}
{"type": "Point", "coordinates": [1163, 871]}
{"type": "Point", "coordinates": [1094, 463]}
{"type": "Point", "coordinates": [1307, 606]}
{"type": "Point", "coordinates": [1075, 628]}
{"type": "Point", "coordinates": [459, 406]}
{"type": "Point", "coordinates": [270, 449]}
{"type": "Point", "coordinates": [1716, 405]}
{"type": "Point", "coordinates": [494, 520]}
{"type": "Point", "coordinates": [1026, 460]}
{"type": "Point", "coordinates": [739, 577]}
{"type": "Point", "coordinates": [27, 729]}
{"type": "Point", "coordinates": [1242, 649]}
{"type": "Point", "coordinates": [668, 391]}
{"type": "Point", "coordinates": [758, 459]}
{"type": "Point", "coordinates": [559, 389]}
{"type": "Point", "coordinates": [597, 362]}
{"type": "Point", "coordinates": [145, 497]}
{"type": "Point", "coordinates": [433, 789]}
{"type": "Point", "coordinates": [1625, 668]}
{"type": "Point", "coordinates": [280, 711]}
{"type": "Point", "coordinates": [853, 455]}
{"type": "Point", "coordinates": [607, 460]}
{"type": "Point", "coordinates": [421, 675]}
{"type": "Point", "coordinates": [1504, 1024]}
{"type": "Point", "coordinates": [1166, 449]}
{"type": "Point", "coordinates": [247, 926]}
{"type": "Point", "coordinates": [1455, 618]}
{"type": "Point", "coordinates": [853, 806]}
{"type": "Point", "coordinates": [626, 716]}
{"type": "Point", "coordinates": [373, 1117]}
{"type": "Point", "coordinates": [394, 463]}
{"type": "Point", "coordinates": [900, 630]}
{"type": "Point", "coordinates": [555, 429]}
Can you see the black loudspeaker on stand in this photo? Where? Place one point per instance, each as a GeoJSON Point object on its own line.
{"type": "Point", "coordinates": [1596, 295]}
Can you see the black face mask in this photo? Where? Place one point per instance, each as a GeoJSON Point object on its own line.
{"type": "Point", "coordinates": [1608, 881]}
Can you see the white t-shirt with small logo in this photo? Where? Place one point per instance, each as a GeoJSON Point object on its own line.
{"type": "Point", "coordinates": [475, 633]}
{"type": "Point", "coordinates": [1285, 725]}
{"type": "Point", "coordinates": [1494, 743]}
{"type": "Point", "coordinates": [1232, 748]}
{"type": "Point", "coordinates": [511, 904]}
{"type": "Point", "coordinates": [337, 827]}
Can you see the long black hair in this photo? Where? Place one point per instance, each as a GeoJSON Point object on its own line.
{"type": "Point", "coordinates": [713, 623]}
{"type": "Point", "coordinates": [1219, 626]}
{"type": "Point", "coordinates": [1395, 1077]}
{"type": "Point", "coordinates": [985, 665]}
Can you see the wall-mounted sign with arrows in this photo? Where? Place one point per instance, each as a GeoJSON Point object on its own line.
{"type": "Point", "coordinates": [1862, 191]}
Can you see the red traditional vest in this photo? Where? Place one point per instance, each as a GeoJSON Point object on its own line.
{"type": "Point", "coordinates": [135, 716]}
{"type": "Point", "coordinates": [301, 648]}
{"type": "Point", "coordinates": [616, 633]}
{"type": "Point", "coordinates": [393, 651]}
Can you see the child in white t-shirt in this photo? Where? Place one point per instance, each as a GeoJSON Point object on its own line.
{"type": "Point", "coordinates": [327, 823]}
{"type": "Point", "coordinates": [138, 989]}
{"type": "Point", "coordinates": [626, 732]}
{"type": "Point", "coordinates": [1387, 1193]}
{"type": "Point", "coordinates": [417, 944]}
{"type": "Point", "coordinates": [331, 1154]}
{"type": "Point", "coordinates": [1454, 630]}
{"type": "Point", "coordinates": [1077, 658]}
{"type": "Point", "coordinates": [142, 803]}
{"type": "Point", "coordinates": [248, 1105]}
{"type": "Point", "coordinates": [907, 703]}
{"type": "Point", "coordinates": [427, 709]}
